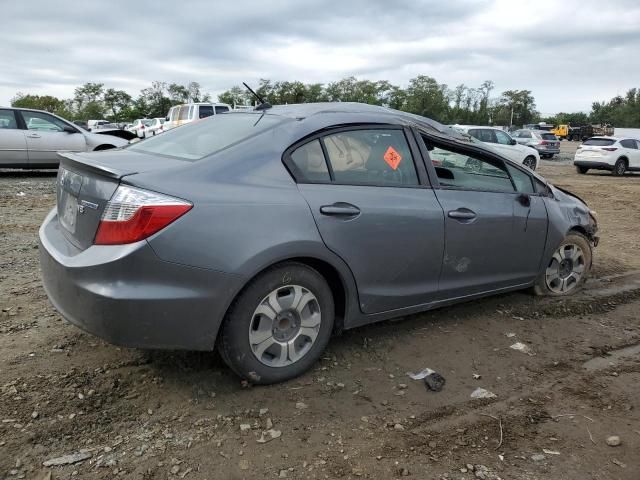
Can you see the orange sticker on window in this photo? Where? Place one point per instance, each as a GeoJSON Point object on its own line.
{"type": "Point", "coordinates": [392, 158]}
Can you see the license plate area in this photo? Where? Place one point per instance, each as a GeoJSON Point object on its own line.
{"type": "Point", "coordinates": [69, 185]}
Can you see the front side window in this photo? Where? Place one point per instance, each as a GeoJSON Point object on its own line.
{"type": "Point", "coordinates": [502, 137]}
{"type": "Point", "coordinates": [468, 172]}
{"type": "Point", "coordinates": [310, 164]}
{"type": "Point", "coordinates": [8, 119]}
{"type": "Point", "coordinates": [43, 122]}
{"type": "Point", "coordinates": [205, 111]}
{"type": "Point", "coordinates": [183, 114]}
{"type": "Point", "coordinates": [371, 157]}
{"type": "Point", "coordinates": [523, 181]}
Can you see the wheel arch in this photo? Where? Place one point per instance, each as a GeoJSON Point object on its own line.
{"type": "Point", "coordinates": [104, 146]}
{"type": "Point", "coordinates": [338, 278]}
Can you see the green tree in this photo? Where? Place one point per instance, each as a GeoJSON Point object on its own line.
{"type": "Point", "coordinates": [426, 97]}
{"type": "Point", "coordinates": [42, 102]}
{"type": "Point", "coordinates": [115, 101]}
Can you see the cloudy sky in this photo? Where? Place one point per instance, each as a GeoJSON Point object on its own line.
{"type": "Point", "coordinates": [568, 52]}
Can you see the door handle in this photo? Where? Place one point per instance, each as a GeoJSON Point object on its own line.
{"type": "Point", "coordinates": [33, 135]}
{"type": "Point", "coordinates": [340, 210]}
{"type": "Point", "coordinates": [462, 214]}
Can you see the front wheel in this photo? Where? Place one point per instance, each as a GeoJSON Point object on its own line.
{"type": "Point", "coordinates": [581, 170]}
{"type": "Point", "coordinates": [279, 325]}
{"type": "Point", "coordinates": [530, 162]}
{"type": "Point", "coordinates": [568, 268]}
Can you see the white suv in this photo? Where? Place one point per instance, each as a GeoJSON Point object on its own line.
{"type": "Point", "coordinates": [608, 153]}
{"type": "Point", "coordinates": [502, 142]}
{"type": "Point", "coordinates": [190, 112]}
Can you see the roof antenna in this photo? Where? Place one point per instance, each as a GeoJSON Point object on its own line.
{"type": "Point", "coordinates": [263, 105]}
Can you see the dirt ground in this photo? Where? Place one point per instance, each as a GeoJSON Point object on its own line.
{"type": "Point", "coordinates": [146, 415]}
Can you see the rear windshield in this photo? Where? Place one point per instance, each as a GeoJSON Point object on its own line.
{"type": "Point", "coordinates": [548, 136]}
{"type": "Point", "coordinates": [599, 142]}
{"type": "Point", "coordinates": [200, 139]}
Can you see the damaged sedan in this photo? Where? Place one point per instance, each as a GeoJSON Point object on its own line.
{"type": "Point", "coordinates": [261, 233]}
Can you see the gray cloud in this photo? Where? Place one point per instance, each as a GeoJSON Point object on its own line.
{"type": "Point", "coordinates": [567, 57]}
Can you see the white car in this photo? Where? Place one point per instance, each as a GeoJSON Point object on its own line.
{"type": "Point", "coordinates": [156, 126]}
{"type": "Point", "coordinates": [32, 138]}
{"type": "Point", "coordinates": [138, 127]}
{"type": "Point", "coordinates": [616, 154]}
{"type": "Point", "coordinates": [502, 142]}
{"type": "Point", "coordinates": [191, 112]}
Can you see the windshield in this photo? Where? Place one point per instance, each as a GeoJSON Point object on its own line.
{"type": "Point", "coordinates": [599, 142]}
{"type": "Point", "coordinates": [548, 136]}
{"type": "Point", "coordinates": [205, 137]}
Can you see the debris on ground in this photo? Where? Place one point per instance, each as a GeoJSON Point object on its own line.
{"type": "Point", "coordinates": [67, 459]}
{"type": "Point", "coordinates": [521, 347]}
{"type": "Point", "coordinates": [614, 441]}
{"type": "Point", "coordinates": [434, 382]}
{"type": "Point", "coordinates": [420, 375]}
{"type": "Point", "coordinates": [269, 435]}
{"type": "Point", "coordinates": [550, 452]}
{"type": "Point", "coordinates": [482, 393]}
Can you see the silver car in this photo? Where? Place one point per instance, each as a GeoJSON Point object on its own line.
{"type": "Point", "coordinates": [547, 144]}
{"type": "Point", "coordinates": [31, 138]}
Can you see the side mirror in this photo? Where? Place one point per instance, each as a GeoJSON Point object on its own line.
{"type": "Point", "coordinates": [69, 129]}
{"type": "Point", "coordinates": [166, 119]}
{"type": "Point", "coordinates": [513, 142]}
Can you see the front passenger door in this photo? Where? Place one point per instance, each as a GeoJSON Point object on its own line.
{"type": "Point", "coordinates": [46, 135]}
{"type": "Point", "coordinates": [495, 234]}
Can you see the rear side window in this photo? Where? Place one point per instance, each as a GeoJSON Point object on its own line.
{"type": "Point", "coordinates": [309, 163]}
{"type": "Point", "coordinates": [8, 119]}
{"type": "Point", "coordinates": [599, 142]}
{"type": "Point", "coordinates": [209, 136]}
{"type": "Point", "coordinates": [221, 109]}
{"type": "Point", "coordinates": [205, 111]}
{"type": "Point", "coordinates": [482, 134]}
{"type": "Point", "coordinates": [548, 136]}
{"type": "Point", "coordinates": [524, 134]}
{"type": "Point", "coordinates": [629, 143]}
{"type": "Point", "coordinates": [371, 157]}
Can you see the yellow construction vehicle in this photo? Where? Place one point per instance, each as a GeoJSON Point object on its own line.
{"type": "Point", "coordinates": [561, 131]}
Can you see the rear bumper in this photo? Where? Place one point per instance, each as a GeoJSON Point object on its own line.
{"type": "Point", "coordinates": [128, 296]}
{"type": "Point", "coordinates": [596, 165]}
{"type": "Point", "coordinates": [548, 151]}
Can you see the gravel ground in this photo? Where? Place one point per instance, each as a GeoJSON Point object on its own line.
{"type": "Point", "coordinates": [147, 414]}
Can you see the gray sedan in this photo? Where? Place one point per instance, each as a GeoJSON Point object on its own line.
{"type": "Point", "coordinates": [264, 232]}
{"type": "Point", "coordinates": [32, 138]}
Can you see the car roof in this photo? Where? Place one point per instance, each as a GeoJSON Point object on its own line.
{"type": "Point", "coordinates": [469, 127]}
{"type": "Point", "coordinates": [605, 137]}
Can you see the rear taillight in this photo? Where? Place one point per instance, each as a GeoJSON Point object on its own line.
{"type": "Point", "coordinates": [134, 214]}
{"type": "Point", "coordinates": [609, 149]}
{"type": "Point", "coordinates": [544, 142]}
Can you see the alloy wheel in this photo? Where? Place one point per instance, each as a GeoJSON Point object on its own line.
{"type": "Point", "coordinates": [285, 326]}
{"type": "Point", "coordinates": [566, 268]}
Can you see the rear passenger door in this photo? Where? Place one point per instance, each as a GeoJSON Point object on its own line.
{"type": "Point", "coordinates": [495, 224]}
{"type": "Point", "coordinates": [374, 208]}
{"type": "Point", "coordinates": [13, 145]}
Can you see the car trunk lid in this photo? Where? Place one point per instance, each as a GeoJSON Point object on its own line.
{"type": "Point", "coordinates": [86, 182]}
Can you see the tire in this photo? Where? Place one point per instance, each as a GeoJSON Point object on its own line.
{"type": "Point", "coordinates": [255, 337]}
{"type": "Point", "coordinates": [620, 167]}
{"type": "Point", "coordinates": [581, 170]}
{"type": "Point", "coordinates": [530, 162]}
{"type": "Point", "coordinates": [560, 279]}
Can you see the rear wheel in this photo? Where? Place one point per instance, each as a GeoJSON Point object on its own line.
{"type": "Point", "coordinates": [620, 167]}
{"type": "Point", "coordinates": [568, 268]}
{"type": "Point", "coordinates": [530, 162]}
{"type": "Point", "coordinates": [581, 170]}
{"type": "Point", "coordinates": [279, 325]}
